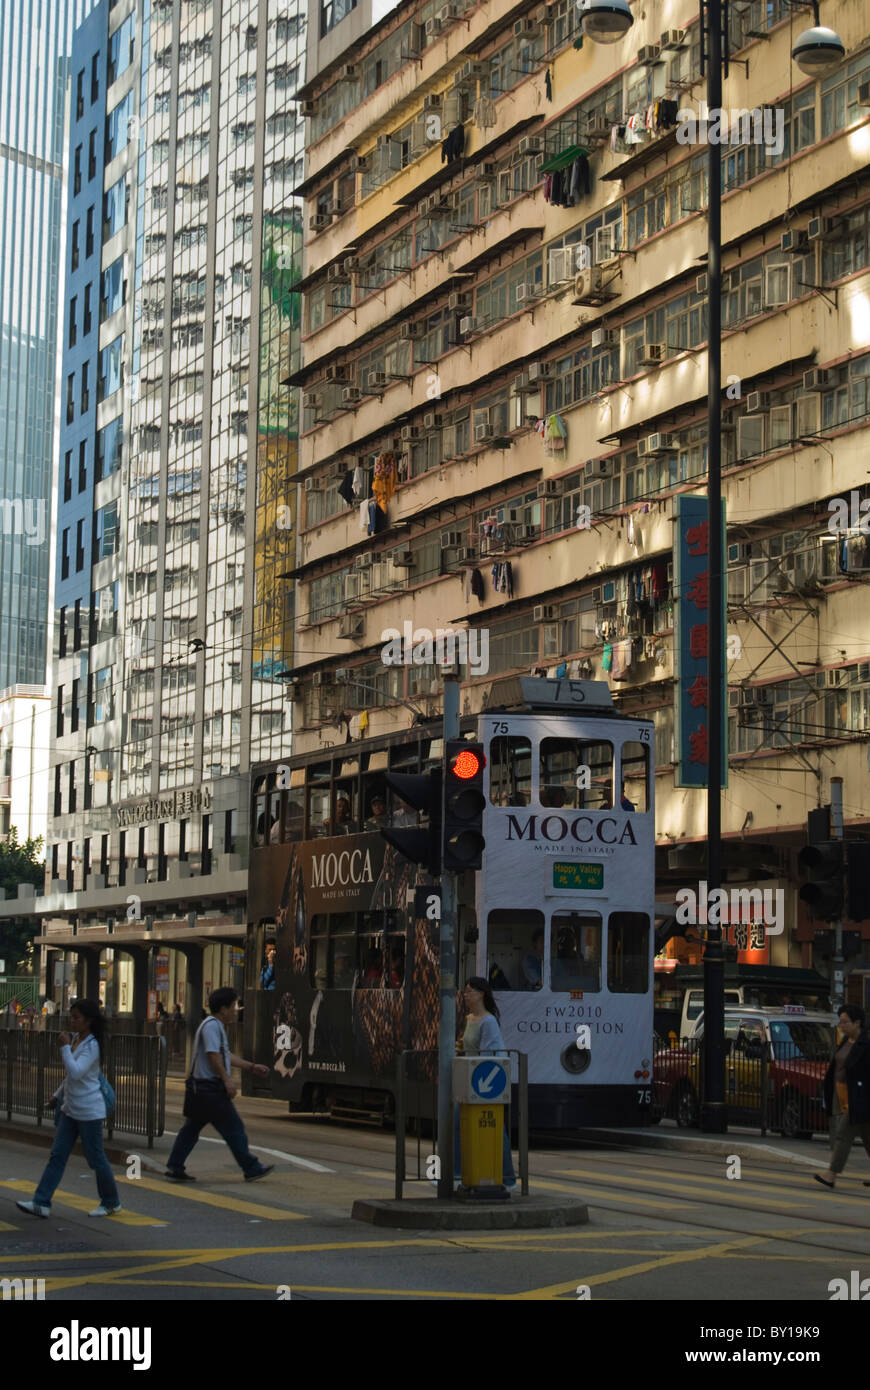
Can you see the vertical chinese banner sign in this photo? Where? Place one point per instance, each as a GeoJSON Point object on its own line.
{"type": "Point", "coordinates": [692, 630]}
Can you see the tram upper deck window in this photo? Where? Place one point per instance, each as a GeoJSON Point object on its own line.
{"type": "Point", "coordinates": [319, 798]}
{"type": "Point", "coordinates": [575, 952]}
{"type": "Point", "coordinates": [510, 771]}
{"type": "Point", "coordinates": [576, 774]}
{"type": "Point", "coordinates": [635, 769]}
{"type": "Point", "coordinates": [628, 963]}
{"type": "Point", "coordinates": [515, 949]}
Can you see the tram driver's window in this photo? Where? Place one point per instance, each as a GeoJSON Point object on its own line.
{"type": "Point", "coordinates": [515, 949]}
{"type": "Point", "coordinates": [575, 952]}
{"type": "Point", "coordinates": [510, 771]}
{"type": "Point", "coordinates": [628, 961]}
{"type": "Point", "coordinates": [635, 777]}
{"type": "Point", "coordinates": [576, 774]}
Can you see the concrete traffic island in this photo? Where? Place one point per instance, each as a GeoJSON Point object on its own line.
{"type": "Point", "coordinates": [428, 1214]}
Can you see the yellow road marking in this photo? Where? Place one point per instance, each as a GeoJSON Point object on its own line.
{"type": "Point", "coordinates": [693, 1192]}
{"type": "Point", "coordinates": [616, 1196]}
{"type": "Point", "coordinates": [612, 1276]}
{"type": "Point", "coordinates": [72, 1199]}
{"type": "Point", "coordinates": [5, 1226]}
{"type": "Point", "coordinates": [213, 1199]}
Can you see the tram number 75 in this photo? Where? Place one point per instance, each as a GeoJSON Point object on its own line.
{"type": "Point", "coordinates": [644, 1096]}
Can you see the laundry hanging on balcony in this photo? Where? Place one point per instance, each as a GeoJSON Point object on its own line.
{"type": "Point", "coordinates": [484, 113]}
{"type": "Point", "coordinates": [569, 177]}
{"type": "Point", "coordinates": [377, 521]}
{"type": "Point", "coordinates": [385, 478]}
{"type": "Point", "coordinates": [359, 482]}
{"type": "Point", "coordinates": [503, 578]}
{"type": "Point", "coordinates": [554, 433]}
{"type": "Point", "coordinates": [452, 147]}
{"type": "Point", "coordinates": [345, 488]}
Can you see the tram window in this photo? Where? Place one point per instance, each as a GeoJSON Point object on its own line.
{"type": "Point", "coordinates": [628, 966]}
{"type": "Point", "coordinates": [342, 821]}
{"type": "Point", "coordinates": [510, 771]}
{"type": "Point", "coordinates": [635, 777]}
{"type": "Point", "coordinates": [274, 817]}
{"type": "Point", "coordinates": [575, 952]}
{"type": "Point", "coordinates": [334, 951]}
{"type": "Point", "coordinates": [515, 949]}
{"type": "Point", "coordinates": [381, 950]}
{"type": "Point", "coordinates": [267, 977]}
{"type": "Point", "coordinates": [576, 774]}
{"type": "Point", "coordinates": [375, 805]}
{"type": "Point", "coordinates": [260, 819]}
{"type": "Point", "coordinates": [318, 810]}
{"type": "Point", "coordinates": [293, 818]}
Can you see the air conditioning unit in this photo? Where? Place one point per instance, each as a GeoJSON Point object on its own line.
{"type": "Point", "coordinates": [467, 325]}
{"type": "Point", "coordinates": [350, 265]}
{"type": "Point", "coordinates": [466, 556]}
{"type": "Point", "coordinates": [525, 293]}
{"type": "Point", "coordinates": [433, 28]}
{"type": "Point", "coordinates": [336, 273]}
{"type": "Point", "coordinates": [352, 626]}
{"type": "Point", "coordinates": [487, 172]}
{"type": "Point", "coordinates": [376, 381]}
{"type": "Point", "coordinates": [531, 145]}
{"type": "Point", "coordinates": [659, 444]}
{"type": "Point", "coordinates": [529, 533]}
{"type": "Point", "coordinates": [362, 562]}
{"type": "Point", "coordinates": [605, 337]}
{"type": "Point", "coordinates": [702, 284]}
{"type": "Point", "coordinates": [313, 485]}
{"type": "Point", "coordinates": [545, 613]}
{"type": "Point", "coordinates": [597, 132]}
{"type": "Point", "coordinates": [410, 332]}
{"type": "Point", "coordinates": [825, 228]}
{"type": "Point", "coordinates": [311, 400]}
{"type": "Point", "coordinates": [402, 559]}
{"type": "Point", "coordinates": [526, 29]}
{"type": "Point", "coordinates": [550, 487]}
{"type": "Point", "coordinates": [432, 102]}
{"type": "Point", "coordinates": [309, 108]}
{"type": "Point", "coordinates": [794, 241]}
{"type": "Point", "coordinates": [448, 13]}
{"type": "Point", "coordinates": [648, 55]}
{"type": "Point", "coordinates": [350, 396]}
{"type": "Point", "coordinates": [338, 374]}
{"type": "Point", "coordinates": [672, 38]}
{"type": "Point", "coordinates": [652, 354]}
{"type": "Point", "coordinates": [409, 432]}
{"type": "Point", "coordinates": [520, 385]}
{"type": "Point", "coordinates": [450, 540]}
{"type": "Point", "coordinates": [816, 379]}
{"type": "Point", "coordinates": [363, 163]}
{"type": "Point", "coordinates": [457, 302]}
{"type": "Point", "coordinates": [432, 420]}
{"type": "Point", "coordinates": [756, 400]}
{"type": "Point", "coordinates": [539, 371]}
{"type": "Point", "coordinates": [588, 284]}
{"type": "Point", "coordinates": [318, 680]}
{"type": "Point", "coordinates": [483, 432]}
{"type": "Point", "coordinates": [319, 222]}
{"type": "Point", "coordinates": [349, 73]}
{"type": "Point", "coordinates": [835, 677]}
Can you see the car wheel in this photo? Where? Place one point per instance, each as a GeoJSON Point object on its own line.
{"type": "Point", "coordinates": [687, 1107]}
{"type": "Point", "coordinates": [790, 1116]}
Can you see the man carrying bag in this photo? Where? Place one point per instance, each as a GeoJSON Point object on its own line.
{"type": "Point", "coordinates": [209, 1091]}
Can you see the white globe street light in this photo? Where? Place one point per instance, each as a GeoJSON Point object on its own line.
{"type": "Point", "coordinates": [818, 51]}
{"type": "Point", "coordinates": [606, 21]}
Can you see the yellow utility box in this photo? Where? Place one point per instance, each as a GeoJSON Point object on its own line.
{"type": "Point", "coordinates": [481, 1085]}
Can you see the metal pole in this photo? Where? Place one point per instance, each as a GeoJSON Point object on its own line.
{"type": "Point", "coordinates": [713, 1116]}
{"type": "Point", "coordinates": [837, 962]}
{"type": "Point", "coordinates": [447, 944]}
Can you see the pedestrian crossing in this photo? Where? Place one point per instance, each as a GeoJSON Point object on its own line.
{"type": "Point", "coordinates": [184, 1196]}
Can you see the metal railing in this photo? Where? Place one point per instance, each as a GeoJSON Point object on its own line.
{"type": "Point", "coordinates": [776, 1087]}
{"type": "Point", "coordinates": [416, 1098]}
{"type": "Point", "coordinates": [31, 1071]}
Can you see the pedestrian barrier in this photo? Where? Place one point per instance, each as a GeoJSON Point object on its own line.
{"type": "Point", "coordinates": [416, 1105]}
{"type": "Point", "coordinates": [31, 1071]}
{"type": "Point", "coordinates": [772, 1086]}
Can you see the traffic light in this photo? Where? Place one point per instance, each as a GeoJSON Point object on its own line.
{"type": "Point", "coordinates": [825, 893]}
{"type": "Point", "coordinates": [858, 880]}
{"type": "Point", "coordinates": [422, 790]}
{"type": "Point", "coordinates": [464, 803]}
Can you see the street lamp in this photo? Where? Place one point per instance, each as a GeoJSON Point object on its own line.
{"type": "Point", "coordinates": [606, 21]}
{"type": "Point", "coordinates": [815, 52]}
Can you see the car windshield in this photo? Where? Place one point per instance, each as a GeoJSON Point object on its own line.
{"type": "Point", "coordinates": [798, 1039]}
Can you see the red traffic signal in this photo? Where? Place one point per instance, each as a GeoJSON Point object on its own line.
{"type": "Point", "coordinates": [464, 804]}
{"type": "Point", "coordinates": [466, 764]}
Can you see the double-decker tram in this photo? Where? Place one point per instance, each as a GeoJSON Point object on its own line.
{"type": "Point", "coordinates": [343, 969]}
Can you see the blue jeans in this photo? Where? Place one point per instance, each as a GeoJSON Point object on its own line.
{"type": "Point", "coordinates": [508, 1176]}
{"type": "Point", "coordinates": [91, 1134]}
{"type": "Point", "coordinates": [213, 1107]}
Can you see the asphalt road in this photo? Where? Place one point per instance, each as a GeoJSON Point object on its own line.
{"type": "Point", "coordinates": [663, 1225]}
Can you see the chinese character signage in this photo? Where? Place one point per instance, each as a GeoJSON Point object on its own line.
{"type": "Point", "coordinates": [692, 630]}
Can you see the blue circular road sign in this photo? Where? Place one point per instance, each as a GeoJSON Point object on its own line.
{"type": "Point", "coordinates": [489, 1080]}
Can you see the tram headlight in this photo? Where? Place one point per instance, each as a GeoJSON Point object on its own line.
{"type": "Point", "coordinates": [576, 1059]}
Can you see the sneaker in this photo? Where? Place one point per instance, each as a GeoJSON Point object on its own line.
{"type": "Point", "coordinates": [33, 1209]}
{"type": "Point", "coordinates": [103, 1210]}
{"type": "Point", "coordinates": [259, 1173]}
{"type": "Point", "coordinates": [179, 1175]}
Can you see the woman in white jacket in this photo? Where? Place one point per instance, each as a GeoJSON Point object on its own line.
{"type": "Point", "coordinates": [82, 1112]}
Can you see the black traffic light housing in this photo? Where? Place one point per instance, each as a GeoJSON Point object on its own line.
{"type": "Point", "coordinates": [464, 803]}
{"type": "Point", "coordinates": [823, 864]}
{"type": "Point", "coordinates": [858, 880]}
{"type": "Point", "coordinates": [422, 791]}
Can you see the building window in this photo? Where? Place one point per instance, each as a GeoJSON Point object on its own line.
{"type": "Point", "coordinates": [80, 94]}
{"type": "Point", "coordinates": [61, 632]}
{"type": "Point", "coordinates": [83, 465]}
{"type": "Point", "coordinates": [77, 170]}
{"type": "Point", "coordinates": [108, 452]}
{"type": "Point", "coordinates": [59, 720]}
{"type": "Point", "coordinates": [72, 321]}
{"type": "Point", "coordinates": [121, 50]}
{"type": "Point", "coordinates": [64, 554]}
{"type": "Point", "coordinates": [332, 12]}
{"type": "Point", "coordinates": [89, 232]}
{"type": "Point", "coordinates": [111, 368]}
{"type": "Point", "coordinates": [74, 252]}
{"type": "Point", "coordinates": [77, 624]}
{"type": "Point", "coordinates": [113, 289]}
{"type": "Point", "coordinates": [92, 155]}
{"type": "Point", "coordinates": [86, 395]}
{"type": "Point", "coordinates": [80, 549]}
{"type": "Point", "coordinates": [95, 77]}
{"type": "Point", "coordinates": [67, 476]}
{"type": "Point", "coordinates": [74, 707]}
{"type": "Point", "coordinates": [86, 315]}
{"type": "Point", "coordinates": [115, 202]}
{"type": "Point", "coordinates": [106, 531]}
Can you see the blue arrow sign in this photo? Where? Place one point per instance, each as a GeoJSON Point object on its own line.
{"type": "Point", "coordinates": [488, 1080]}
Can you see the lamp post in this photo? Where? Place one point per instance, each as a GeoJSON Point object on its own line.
{"type": "Point", "coordinates": [815, 52]}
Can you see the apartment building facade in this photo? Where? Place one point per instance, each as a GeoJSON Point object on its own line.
{"type": "Point", "coordinates": [504, 347]}
{"type": "Point", "coordinates": [183, 157]}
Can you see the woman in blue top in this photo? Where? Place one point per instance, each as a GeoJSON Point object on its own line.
{"type": "Point", "coordinates": [82, 1112]}
{"type": "Point", "coordinates": [482, 1037]}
